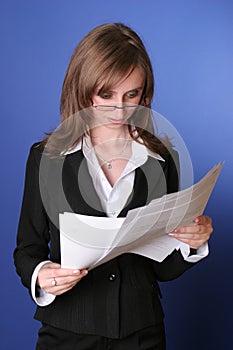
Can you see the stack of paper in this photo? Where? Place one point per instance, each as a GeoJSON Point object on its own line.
{"type": "Point", "coordinates": [87, 241]}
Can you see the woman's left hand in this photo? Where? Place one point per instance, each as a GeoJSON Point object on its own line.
{"type": "Point", "coordinates": [196, 235]}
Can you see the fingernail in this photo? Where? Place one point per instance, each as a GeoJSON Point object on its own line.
{"type": "Point", "coordinates": [76, 272]}
{"type": "Point", "coordinates": [171, 234]}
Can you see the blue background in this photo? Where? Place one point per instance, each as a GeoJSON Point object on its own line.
{"type": "Point", "coordinates": [191, 46]}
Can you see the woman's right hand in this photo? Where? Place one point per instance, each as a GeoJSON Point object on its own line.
{"type": "Point", "coordinates": [57, 280]}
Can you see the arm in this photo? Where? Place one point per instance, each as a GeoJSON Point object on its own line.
{"type": "Point", "coordinates": [33, 242]}
{"type": "Point", "coordinates": [195, 236]}
{"type": "Point", "coordinates": [194, 239]}
{"type": "Point", "coordinates": [33, 229]}
{"type": "Point", "coordinates": [171, 267]}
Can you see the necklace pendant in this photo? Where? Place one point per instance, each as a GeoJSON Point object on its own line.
{"type": "Point", "coordinates": [109, 165]}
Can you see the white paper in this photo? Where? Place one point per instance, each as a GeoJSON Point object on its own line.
{"type": "Point", "coordinates": [84, 239]}
{"type": "Point", "coordinates": [87, 241]}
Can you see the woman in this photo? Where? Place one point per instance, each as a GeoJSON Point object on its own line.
{"type": "Point", "coordinates": [111, 162]}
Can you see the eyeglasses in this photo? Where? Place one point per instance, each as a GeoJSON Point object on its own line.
{"type": "Point", "coordinates": [113, 108]}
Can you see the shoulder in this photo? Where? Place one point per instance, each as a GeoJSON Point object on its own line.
{"type": "Point", "coordinates": [38, 153]}
{"type": "Point", "coordinates": [37, 148]}
{"type": "Point", "coordinates": [171, 157]}
{"type": "Point", "coordinates": [33, 160]}
{"type": "Point", "coordinates": [35, 152]}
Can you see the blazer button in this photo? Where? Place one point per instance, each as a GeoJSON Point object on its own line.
{"type": "Point", "coordinates": [112, 277]}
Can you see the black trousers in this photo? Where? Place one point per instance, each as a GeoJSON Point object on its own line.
{"type": "Point", "coordinates": [151, 338]}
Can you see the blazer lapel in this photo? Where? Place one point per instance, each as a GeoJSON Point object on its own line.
{"type": "Point", "coordinates": [77, 180]}
{"type": "Point", "coordinates": [149, 183]}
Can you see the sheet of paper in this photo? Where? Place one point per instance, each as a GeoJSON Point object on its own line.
{"type": "Point", "coordinates": [87, 242]}
{"type": "Point", "coordinates": [84, 239]}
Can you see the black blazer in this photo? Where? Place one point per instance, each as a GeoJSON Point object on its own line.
{"type": "Point", "coordinates": [118, 297]}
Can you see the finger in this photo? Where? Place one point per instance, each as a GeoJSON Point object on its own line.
{"type": "Point", "coordinates": [62, 284]}
{"type": "Point", "coordinates": [64, 290]}
{"type": "Point", "coordinates": [60, 272]}
{"type": "Point", "coordinates": [64, 272]}
{"type": "Point", "coordinates": [59, 289]}
{"type": "Point", "coordinates": [63, 281]}
{"type": "Point", "coordinates": [194, 229]}
{"type": "Point", "coordinates": [203, 220]}
{"type": "Point", "coordinates": [192, 243]}
{"type": "Point", "coordinates": [192, 237]}
{"type": "Point", "coordinates": [202, 235]}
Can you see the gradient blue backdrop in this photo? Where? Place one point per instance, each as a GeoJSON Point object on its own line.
{"type": "Point", "coordinates": [191, 47]}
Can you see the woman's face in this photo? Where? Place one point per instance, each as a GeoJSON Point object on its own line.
{"type": "Point", "coordinates": [127, 92]}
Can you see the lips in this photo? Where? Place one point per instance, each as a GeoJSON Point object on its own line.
{"type": "Point", "coordinates": [116, 121]}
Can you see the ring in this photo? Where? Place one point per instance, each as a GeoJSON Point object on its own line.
{"type": "Point", "coordinates": [54, 282]}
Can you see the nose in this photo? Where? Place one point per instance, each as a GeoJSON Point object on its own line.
{"type": "Point", "coordinates": [119, 102]}
{"type": "Point", "coordinates": [117, 114]}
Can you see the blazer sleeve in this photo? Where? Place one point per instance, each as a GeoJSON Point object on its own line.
{"type": "Point", "coordinates": [33, 228]}
{"type": "Point", "coordinates": [171, 267]}
{"type": "Point", "coordinates": [174, 264]}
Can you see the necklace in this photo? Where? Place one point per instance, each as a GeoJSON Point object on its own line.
{"type": "Point", "coordinates": [108, 162]}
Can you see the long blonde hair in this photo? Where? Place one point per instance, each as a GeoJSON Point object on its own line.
{"type": "Point", "coordinates": [103, 57]}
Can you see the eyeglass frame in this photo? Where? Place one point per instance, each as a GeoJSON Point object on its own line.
{"type": "Point", "coordinates": [108, 108]}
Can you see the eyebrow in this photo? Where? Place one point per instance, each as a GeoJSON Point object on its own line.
{"type": "Point", "coordinates": [137, 88]}
{"type": "Point", "coordinates": [112, 91]}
